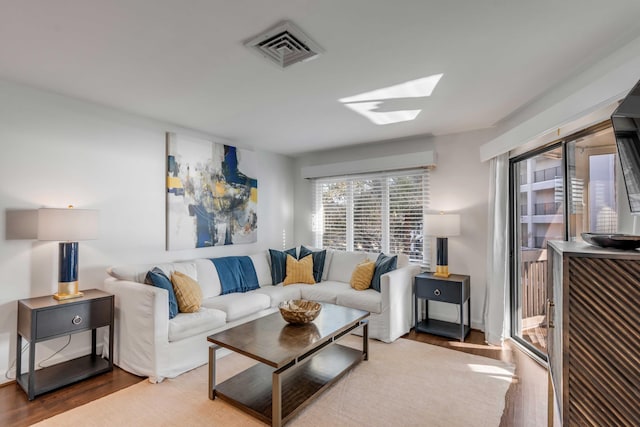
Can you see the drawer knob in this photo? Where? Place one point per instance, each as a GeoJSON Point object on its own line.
{"type": "Point", "coordinates": [437, 292]}
{"type": "Point", "coordinates": [76, 320]}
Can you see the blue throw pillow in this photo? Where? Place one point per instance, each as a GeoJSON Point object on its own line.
{"type": "Point", "coordinates": [157, 278]}
{"type": "Point", "coordinates": [318, 261]}
{"type": "Point", "coordinates": [279, 264]}
{"type": "Point", "coordinates": [384, 264]}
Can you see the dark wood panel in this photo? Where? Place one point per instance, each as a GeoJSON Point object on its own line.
{"type": "Point", "coordinates": [603, 342]}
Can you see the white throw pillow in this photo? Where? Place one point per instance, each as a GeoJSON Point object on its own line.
{"type": "Point", "coordinates": [343, 264]}
{"type": "Point", "coordinates": [263, 270]}
{"type": "Point", "coordinates": [208, 278]}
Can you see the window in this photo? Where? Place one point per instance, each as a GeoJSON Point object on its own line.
{"type": "Point", "coordinates": [373, 213]}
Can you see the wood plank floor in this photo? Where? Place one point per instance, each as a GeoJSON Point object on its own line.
{"type": "Point", "coordinates": [525, 400]}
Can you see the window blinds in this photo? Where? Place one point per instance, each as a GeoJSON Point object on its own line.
{"type": "Point", "coordinates": [381, 212]}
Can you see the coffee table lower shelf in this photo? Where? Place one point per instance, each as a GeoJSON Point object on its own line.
{"type": "Point", "coordinates": [251, 390]}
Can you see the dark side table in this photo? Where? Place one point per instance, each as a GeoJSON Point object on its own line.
{"type": "Point", "coordinates": [454, 289]}
{"type": "Point", "coordinates": [44, 318]}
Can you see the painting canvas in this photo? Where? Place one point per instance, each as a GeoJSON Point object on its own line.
{"type": "Point", "coordinates": [211, 198]}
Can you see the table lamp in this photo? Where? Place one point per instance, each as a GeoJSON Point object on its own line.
{"type": "Point", "coordinates": [67, 226]}
{"type": "Point", "coordinates": [442, 226]}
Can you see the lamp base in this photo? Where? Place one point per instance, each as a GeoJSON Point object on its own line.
{"type": "Point", "coordinates": [442, 271]}
{"type": "Point", "coordinates": [67, 290]}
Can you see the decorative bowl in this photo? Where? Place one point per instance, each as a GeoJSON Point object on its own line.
{"type": "Point", "coordinates": [617, 241]}
{"type": "Point", "coordinates": [299, 311]}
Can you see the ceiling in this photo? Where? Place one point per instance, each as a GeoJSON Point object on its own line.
{"type": "Point", "coordinates": [184, 62]}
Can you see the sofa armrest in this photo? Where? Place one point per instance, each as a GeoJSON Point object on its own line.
{"type": "Point", "coordinates": [396, 288]}
{"type": "Point", "coordinates": [141, 326]}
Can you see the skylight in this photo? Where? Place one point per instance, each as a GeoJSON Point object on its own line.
{"type": "Point", "coordinates": [367, 103]}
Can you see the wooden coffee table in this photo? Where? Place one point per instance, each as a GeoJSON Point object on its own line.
{"type": "Point", "coordinates": [285, 382]}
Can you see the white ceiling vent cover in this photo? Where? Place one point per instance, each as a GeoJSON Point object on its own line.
{"type": "Point", "coordinates": [285, 45]}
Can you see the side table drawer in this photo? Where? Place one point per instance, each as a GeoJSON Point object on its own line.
{"type": "Point", "coordinates": [76, 317]}
{"type": "Point", "coordinates": [438, 290]}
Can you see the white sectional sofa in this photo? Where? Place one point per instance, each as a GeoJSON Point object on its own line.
{"type": "Point", "coordinates": [148, 343]}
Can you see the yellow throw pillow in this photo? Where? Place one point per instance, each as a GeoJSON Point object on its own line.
{"type": "Point", "coordinates": [188, 292]}
{"type": "Point", "coordinates": [299, 271]}
{"type": "Point", "coordinates": [362, 275]}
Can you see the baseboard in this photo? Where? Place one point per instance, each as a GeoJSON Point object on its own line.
{"type": "Point", "coordinates": [8, 383]}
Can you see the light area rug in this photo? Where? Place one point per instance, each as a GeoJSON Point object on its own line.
{"type": "Point", "coordinates": [406, 383]}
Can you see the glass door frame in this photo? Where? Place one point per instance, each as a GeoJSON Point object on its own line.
{"type": "Point", "coordinates": [514, 224]}
{"type": "Point", "coordinates": [514, 234]}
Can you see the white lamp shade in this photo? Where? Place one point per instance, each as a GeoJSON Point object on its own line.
{"type": "Point", "coordinates": [67, 225]}
{"type": "Point", "coordinates": [442, 225]}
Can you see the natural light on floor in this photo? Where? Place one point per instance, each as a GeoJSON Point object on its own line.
{"type": "Point", "coordinates": [367, 103]}
{"type": "Point", "coordinates": [493, 371]}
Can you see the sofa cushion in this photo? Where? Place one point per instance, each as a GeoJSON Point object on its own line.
{"type": "Point", "coordinates": [279, 264]}
{"type": "Point", "coordinates": [362, 275]}
{"type": "Point", "coordinates": [208, 278]}
{"type": "Point", "coordinates": [318, 261]}
{"type": "Point", "coordinates": [187, 291]}
{"type": "Point", "coordinates": [156, 277]}
{"type": "Point", "coordinates": [325, 291]}
{"type": "Point", "coordinates": [185, 325]}
{"type": "Point", "coordinates": [239, 305]}
{"type": "Point", "coordinates": [263, 271]}
{"type": "Point", "coordinates": [368, 300]}
{"type": "Point", "coordinates": [343, 264]}
{"type": "Point", "coordinates": [299, 271]}
{"type": "Point", "coordinates": [281, 293]}
{"type": "Point", "coordinates": [384, 264]}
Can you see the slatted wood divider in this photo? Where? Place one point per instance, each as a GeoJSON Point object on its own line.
{"type": "Point", "coordinates": [603, 343]}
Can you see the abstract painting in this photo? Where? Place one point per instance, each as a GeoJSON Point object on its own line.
{"type": "Point", "coordinates": [211, 200]}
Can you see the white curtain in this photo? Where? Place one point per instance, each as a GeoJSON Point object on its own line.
{"type": "Point", "coordinates": [496, 306]}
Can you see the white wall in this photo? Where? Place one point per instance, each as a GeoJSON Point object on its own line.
{"type": "Point", "coordinates": [555, 113]}
{"type": "Point", "coordinates": [459, 183]}
{"type": "Point", "coordinates": [58, 151]}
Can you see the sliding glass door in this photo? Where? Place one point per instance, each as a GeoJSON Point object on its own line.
{"type": "Point", "coordinates": [537, 216]}
{"type": "Point", "coordinates": [557, 193]}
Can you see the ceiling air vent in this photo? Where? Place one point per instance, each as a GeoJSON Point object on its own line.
{"type": "Point", "coordinates": [285, 45]}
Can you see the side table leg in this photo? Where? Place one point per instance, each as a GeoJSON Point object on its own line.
{"type": "Point", "coordinates": [212, 371]}
{"type": "Point", "coordinates": [18, 357]}
{"type": "Point", "coordinates": [462, 322]}
{"type": "Point", "coordinates": [32, 369]}
{"type": "Point", "coordinates": [469, 313]}
{"type": "Point", "coordinates": [415, 312]}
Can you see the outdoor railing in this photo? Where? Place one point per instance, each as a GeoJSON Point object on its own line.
{"type": "Point", "coordinates": [547, 174]}
{"type": "Point", "coordinates": [533, 284]}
